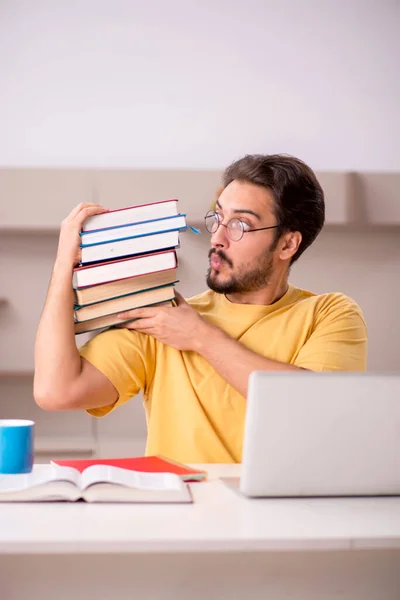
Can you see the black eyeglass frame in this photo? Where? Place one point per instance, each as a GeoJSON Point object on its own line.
{"type": "Point", "coordinates": [242, 229]}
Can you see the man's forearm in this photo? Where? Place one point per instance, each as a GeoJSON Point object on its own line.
{"type": "Point", "coordinates": [232, 360]}
{"type": "Point", "coordinates": [57, 360]}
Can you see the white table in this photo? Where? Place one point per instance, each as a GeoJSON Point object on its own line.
{"type": "Point", "coordinates": [222, 546]}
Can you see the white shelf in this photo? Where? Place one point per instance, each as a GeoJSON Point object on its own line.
{"type": "Point", "coordinates": [17, 374]}
{"type": "Point", "coordinates": [37, 200]}
{"type": "Point", "coordinates": [30, 229]}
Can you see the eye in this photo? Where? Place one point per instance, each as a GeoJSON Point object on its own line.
{"type": "Point", "coordinates": [246, 226]}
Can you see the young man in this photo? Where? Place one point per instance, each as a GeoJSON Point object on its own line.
{"type": "Point", "coordinates": [192, 361]}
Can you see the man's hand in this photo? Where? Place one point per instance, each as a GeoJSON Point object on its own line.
{"type": "Point", "coordinates": [69, 252]}
{"type": "Point", "coordinates": [178, 326]}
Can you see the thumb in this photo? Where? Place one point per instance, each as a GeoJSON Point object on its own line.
{"type": "Point", "coordinates": [180, 300]}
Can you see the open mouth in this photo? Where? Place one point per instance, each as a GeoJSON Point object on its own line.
{"type": "Point", "coordinates": [216, 262]}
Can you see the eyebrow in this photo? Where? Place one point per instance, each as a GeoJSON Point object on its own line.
{"type": "Point", "coordinates": [241, 211]}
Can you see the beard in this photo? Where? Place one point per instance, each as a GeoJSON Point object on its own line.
{"type": "Point", "coordinates": [249, 278]}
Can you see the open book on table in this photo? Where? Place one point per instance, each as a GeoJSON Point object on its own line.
{"type": "Point", "coordinates": [98, 483]}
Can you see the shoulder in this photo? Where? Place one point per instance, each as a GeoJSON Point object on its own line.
{"type": "Point", "coordinates": [336, 302]}
{"type": "Point", "coordinates": [334, 307]}
{"type": "Point", "coordinates": [202, 301]}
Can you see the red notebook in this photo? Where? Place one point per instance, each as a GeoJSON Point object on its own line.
{"type": "Point", "coordinates": [145, 464]}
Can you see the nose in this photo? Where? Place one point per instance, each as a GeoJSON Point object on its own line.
{"type": "Point", "coordinates": [220, 238]}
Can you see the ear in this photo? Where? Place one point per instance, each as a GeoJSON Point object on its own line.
{"type": "Point", "coordinates": [289, 244]}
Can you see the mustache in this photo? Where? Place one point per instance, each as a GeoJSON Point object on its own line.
{"type": "Point", "coordinates": [221, 254]}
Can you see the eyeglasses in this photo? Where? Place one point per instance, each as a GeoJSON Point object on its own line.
{"type": "Point", "coordinates": [235, 227]}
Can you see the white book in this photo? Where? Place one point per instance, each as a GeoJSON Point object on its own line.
{"type": "Point", "coordinates": [122, 269]}
{"type": "Point", "coordinates": [98, 483]}
{"type": "Point", "coordinates": [132, 214]}
{"type": "Point", "coordinates": [135, 230]}
{"type": "Point", "coordinates": [129, 247]}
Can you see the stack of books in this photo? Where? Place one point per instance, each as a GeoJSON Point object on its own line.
{"type": "Point", "coordinates": [128, 261]}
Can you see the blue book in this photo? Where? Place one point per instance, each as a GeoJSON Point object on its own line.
{"type": "Point", "coordinates": [129, 247]}
{"type": "Point", "coordinates": [132, 230]}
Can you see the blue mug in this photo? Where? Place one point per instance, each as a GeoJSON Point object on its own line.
{"type": "Point", "coordinates": [16, 446]}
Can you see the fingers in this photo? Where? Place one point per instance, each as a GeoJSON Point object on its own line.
{"type": "Point", "coordinates": [179, 299]}
{"type": "Point", "coordinates": [89, 211]}
{"type": "Point", "coordinates": [86, 206]}
{"type": "Point", "coordinates": [142, 319]}
{"type": "Point", "coordinates": [137, 313]}
{"type": "Point", "coordinates": [146, 312]}
{"type": "Point", "coordinates": [124, 325]}
{"type": "Point", "coordinates": [144, 325]}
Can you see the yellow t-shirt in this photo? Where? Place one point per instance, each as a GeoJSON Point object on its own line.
{"type": "Point", "coordinates": [193, 414]}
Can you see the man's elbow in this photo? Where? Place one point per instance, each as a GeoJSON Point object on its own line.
{"type": "Point", "coordinates": [51, 400]}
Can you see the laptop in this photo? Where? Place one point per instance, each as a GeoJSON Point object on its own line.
{"type": "Point", "coordinates": [321, 434]}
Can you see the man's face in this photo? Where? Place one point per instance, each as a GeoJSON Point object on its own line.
{"type": "Point", "coordinates": [246, 265]}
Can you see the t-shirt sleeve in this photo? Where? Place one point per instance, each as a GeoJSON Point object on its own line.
{"type": "Point", "coordinates": [126, 358]}
{"type": "Point", "coordinates": [338, 341]}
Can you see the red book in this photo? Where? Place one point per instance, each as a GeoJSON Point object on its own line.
{"type": "Point", "coordinates": [114, 270]}
{"type": "Point", "coordinates": [144, 464]}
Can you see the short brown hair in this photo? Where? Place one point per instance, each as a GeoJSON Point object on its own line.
{"type": "Point", "coordinates": [298, 196]}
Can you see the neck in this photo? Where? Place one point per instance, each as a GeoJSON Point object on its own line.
{"type": "Point", "coordinates": [272, 292]}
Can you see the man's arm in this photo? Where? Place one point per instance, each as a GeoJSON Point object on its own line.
{"type": "Point", "coordinates": [184, 329]}
{"type": "Point", "coordinates": [232, 360]}
{"type": "Point", "coordinates": [63, 380]}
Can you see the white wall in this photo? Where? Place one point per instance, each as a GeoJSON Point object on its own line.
{"type": "Point", "coordinates": [196, 83]}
